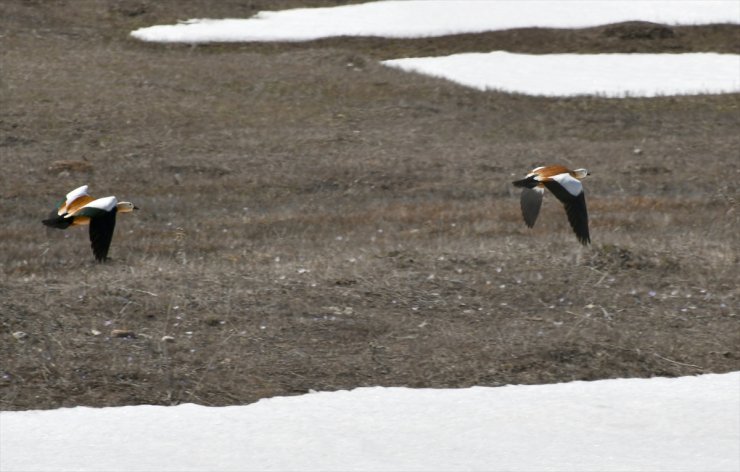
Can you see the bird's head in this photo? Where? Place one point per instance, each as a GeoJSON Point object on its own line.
{"type": "Point", "coordinates": [581, 173]}
{"type": "Point", "coordinates": [125, 207]}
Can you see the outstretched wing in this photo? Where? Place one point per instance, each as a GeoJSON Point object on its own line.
{"type": "Point", "coordinates": [531, 201]}
{"type": "Point", "coordinates": [101, 234]}
{"type": "Point", "coordinates": [74, 200]}
{"type": "Point", "coordinates": [569, 191]}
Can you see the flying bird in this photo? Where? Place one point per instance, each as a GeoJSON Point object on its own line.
{"type": "Point", "coordinates": [566, 185]}
{"type": "Point", "coordinates": [79, 208]}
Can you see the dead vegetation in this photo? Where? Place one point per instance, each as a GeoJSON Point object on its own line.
{"type": "Point", "coordinates": [312, 220]}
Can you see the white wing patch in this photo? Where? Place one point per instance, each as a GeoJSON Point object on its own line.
{"type": "Point", "coordinates": [71, 197]}
{"type": "Point", "coordinates": [76, 193]}
{"type": "Point", "coordinates": [572, 185]}
{"type": "Point", "coordinates": [105, 203]}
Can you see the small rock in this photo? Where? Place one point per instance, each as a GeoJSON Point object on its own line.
{"type": "Point", "coordinates": [168, 339]}
{"type": "Point", "coordinates": [20, 335]}
{"type": "Point", "coordinates": [214, 322]}
{"type": "Point", "coordinates": [122, 333]}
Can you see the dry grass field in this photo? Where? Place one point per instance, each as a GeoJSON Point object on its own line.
{"type": "Point", "coordinates": [313, 220]}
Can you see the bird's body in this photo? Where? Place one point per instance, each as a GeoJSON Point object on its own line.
{"type": "Point", "coordinates": [565, 184]}
{"type": "Point", "coordinates": [79, 208]}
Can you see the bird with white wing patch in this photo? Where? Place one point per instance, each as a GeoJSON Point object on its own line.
{"type": "Point", "coordinates": [79, 208]}
{"type": "Point", "coordinates": [566, 185]}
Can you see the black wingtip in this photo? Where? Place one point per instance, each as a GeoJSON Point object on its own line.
{"type": "Point", "coordinates": [100, 256]}
{"type": "Point", "coordinates": [101, 234]}
{"type": "Point", "coordinates": [57, 221]}
{"type": "Point", "coordinates": [581, 230]}
{"type": "Point", "coordinates": [529, 182]}
{"type": "Point", "coordinates": [530, 203]}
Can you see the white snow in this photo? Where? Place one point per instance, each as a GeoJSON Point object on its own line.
{"type": "Point", "coordinates": [611, 75]}
{"type": "Point", "coordinates": [403, 19]}
{"type": "Point", "coordinates": [659, 424]}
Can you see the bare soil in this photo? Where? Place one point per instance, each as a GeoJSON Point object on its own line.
{"type": "Point", "coordinates": [313, 220]}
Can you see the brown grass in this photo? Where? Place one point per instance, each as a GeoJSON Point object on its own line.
{"type": "Point", "coordinates": [305, 224]}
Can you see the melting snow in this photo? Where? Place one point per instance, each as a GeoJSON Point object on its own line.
{"type": "Point", "coordinates": [659, 424]}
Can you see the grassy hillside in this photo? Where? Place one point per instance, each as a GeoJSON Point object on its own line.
{"type": "Point", "coordinates": [311, 219]}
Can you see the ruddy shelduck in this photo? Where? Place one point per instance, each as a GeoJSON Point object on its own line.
{"type": "Point", "coordinates": [79, 208]}
{"type": "Point", "coordinates": [566, 185]}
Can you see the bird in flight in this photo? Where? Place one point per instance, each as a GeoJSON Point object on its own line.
{"type": "Point", "coordinates": [566, 185]}
{"type": "Point", "coordinates": [79, 208]}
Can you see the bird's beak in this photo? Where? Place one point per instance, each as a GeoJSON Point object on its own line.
{"type": "Point", "coordinates": [135, 207]}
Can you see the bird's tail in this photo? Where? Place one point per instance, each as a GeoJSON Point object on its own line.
{"type": "Point", "coordinates": [57, 221]}
{"type": "Point", "coordinates": [528, 182]}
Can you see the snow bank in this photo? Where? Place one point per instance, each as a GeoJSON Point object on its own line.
{"type": "Point", "coordinates": [681, 424]}
{"type": "Point", "coordinates": [420, 18]}
{"type": "Point", "coordinates": [611, 75]}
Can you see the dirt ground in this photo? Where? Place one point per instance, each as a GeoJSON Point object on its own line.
{"type": "Point", "coordinates": [313, 220]}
